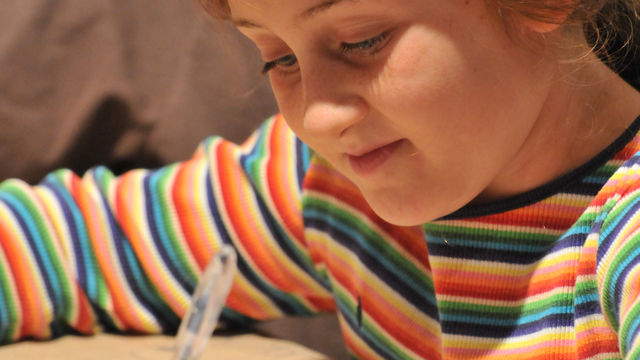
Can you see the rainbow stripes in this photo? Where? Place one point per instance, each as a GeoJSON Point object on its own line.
{"type": "Point", "coordinates": [126, 252]}
{"type": "Point", "coordinates": [39, 294]}
{"type": "Point", "coordinates": [525, 278]}
{"type": "Point", "coordinates": [552, 273]}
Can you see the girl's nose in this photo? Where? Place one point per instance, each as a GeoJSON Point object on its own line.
{"type": "Point", "coordinates": [332, 101]}
{"type": "Point", "coordinates": [332, 117]}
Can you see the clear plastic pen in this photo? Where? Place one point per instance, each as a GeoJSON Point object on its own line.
{"type": "Point", "coordinates": [207, 302]}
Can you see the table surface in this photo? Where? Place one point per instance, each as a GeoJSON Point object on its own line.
{"type": "Point", "coordinates": [107, 346]}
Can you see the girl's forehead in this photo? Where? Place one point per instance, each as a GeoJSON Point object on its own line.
{"type": "Point", "coordinates": [310, 6]}
{"type": "Point", "coordinates": [259, 13]}
{"type": "Point", "coordinates": [301, 10]}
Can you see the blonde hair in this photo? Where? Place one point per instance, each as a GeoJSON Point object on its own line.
{"type": "Point", "coordinates": [218, 9]}
{"type": "Point", "coordinates": [608, 25]}
{"type": "Point", "coordinates": [582, 11]}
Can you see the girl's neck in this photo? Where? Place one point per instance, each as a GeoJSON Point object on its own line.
{"type": "Point", "coordinates": [588, 106]}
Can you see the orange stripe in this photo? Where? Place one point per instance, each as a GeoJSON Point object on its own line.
{"type": "Point", "coordinates": [533, 352]}
{"type": "Point", "coordinates": [235, 200]}
{"type": "Point", "coordinates": [242, 302]}
{"type": "Point", "coordinates": [183, 198]}
{"type": "Point", "coordinates": [324, 179]}
{"type": "Point", "coordinates": [122, 307]}
{"type": "Point", "coordinates": [33, 321]}
{"type": "Point", "coordinates": [596, 342]}
{"type": "Point", "coordinates": [127, 220]}
{"type": "Point", "coordinates": [85, 320]}
{"type": "Point", "coordinates": [280, 161]}
{"type": "Point", "coordinates": [388, 318]}
{"type": "Point", "coordinates": [358, 347]}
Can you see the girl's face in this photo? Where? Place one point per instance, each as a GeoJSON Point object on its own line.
{"type": "Point", "coordinates": [423, 104]}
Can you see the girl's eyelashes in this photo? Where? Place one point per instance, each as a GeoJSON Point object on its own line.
{"type": "Point", "coordinates": [286, 64]}
{"type": "Point", "coordinates": [281, 62]}
{"type": "Point", "coordinates": [366, 47]}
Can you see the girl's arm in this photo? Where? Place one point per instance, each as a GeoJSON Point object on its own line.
{"type": "Point", "coordinates": [618, 258]}
{"type": "Point", "coordinates": [126, 252]}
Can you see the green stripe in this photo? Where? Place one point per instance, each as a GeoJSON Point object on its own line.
{"type": "Point", "coordinates": [506, 312]}
{"type": "Point", "coordinates": [624, 334]}
{"type": "Point", "coordinates": [372, 241]}
{"type": "Point", "coordinates": [102, 295]}
{"type": "Point", "coordinates": [509, 238]}
{"type": "Point", "coordinates": [169, 222]}
{"type": "Point", "coordinates": [9, 307]}
{"type": "Point", "coordinates": [368, 329]}
{"type": "Point", "coordinates": [57, 280]}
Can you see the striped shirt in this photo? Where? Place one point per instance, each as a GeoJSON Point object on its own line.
{"type": "Point", "coordinates": [549, 274]}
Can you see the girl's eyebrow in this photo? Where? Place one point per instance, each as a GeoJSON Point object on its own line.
{"type": "Point", "coordinates": [245, 23]}
{"type": "Point", "coordinates": [305, 15]}
{"type": "Point", "coordinates": [318, 8]}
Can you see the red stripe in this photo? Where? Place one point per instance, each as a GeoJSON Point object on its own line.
{"type": "Point", "coordinates": [280, 185]}
{"type": "Point", "coordinates": [30, 307]}
{"type": "Point", "coordinates": [85, 321]}
{"type": "Point", "coordinates": [90, 214]}
{"type": "Point", "coordinates": [242, 302]}
{"type": "Point", "coordinates": [183, 199]}
{"type": "Point", "coordinates": [235, 202]}
{"type": "Point", "coordinates": [323, 179]}
{"type": "Point", "coordinates": [394, 323]}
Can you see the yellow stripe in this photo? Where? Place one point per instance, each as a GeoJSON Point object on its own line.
{"type": "Point", "coordinates": [68, 275]}
{"type": "Point", "coordinates": [110, 256]}
{"type": "Point", "coordinates": [362, 274]}
{"type": "Point", "coordinates": [133, 193]}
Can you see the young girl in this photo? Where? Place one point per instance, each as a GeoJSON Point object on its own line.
{"type": "Point", "coordinates": [462, 184]}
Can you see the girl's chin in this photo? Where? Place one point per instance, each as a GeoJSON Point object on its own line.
{"type": "Point", "coordinates": [399, 211]}
{"type": "Point", "coordinates": [415, 207]}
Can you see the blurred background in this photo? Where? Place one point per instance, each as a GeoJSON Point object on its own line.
{"type": "Point", "coordinates": [124, 83]}
{"type": "Point", "coordinates": [128, 84]}
{"type": "Point", "coordinates": [134, 83]}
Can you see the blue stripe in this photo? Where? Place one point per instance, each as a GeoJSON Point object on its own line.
{"type": "Point", "coordinates": [633, 332]}
{"type": "Point", "coordinates": [417, 290]}
{"type": "Point", "coordinates": [615, 287]}
{"type": "Point", "coordinates": [161, 228]}
{"type": "Point", "coordinates": [36, 242]}
{"type": "Point", "coordinates": [6, 323]}
{"type": "Point", "coordinates": [254, 157]}
{"type": "Point", "coordinates": [130, 266]}
{"type": "Point", "coordinates": [586, 298]}
{"type": "Point", "coordinates": [363, 332]}
{"type": "Point", "coordinates": [593, 179]}
{"type": "Point", "coordinates": [80, 239]}
{"type": "Point", "coordinates": [367, 245]}
{"type": "Point", "coordinates": [517, 320]}
{"type": "Point", "coordinates": [613, 225]}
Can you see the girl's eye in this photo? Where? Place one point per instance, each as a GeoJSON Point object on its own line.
{"type": "Point", "coordinates": [288, 64]}
{"type": "Point", "coordinates": [368, 47]}
{"type": "Point", "coordinates": [284, 63]}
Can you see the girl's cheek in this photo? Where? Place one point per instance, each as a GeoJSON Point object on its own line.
{"type": "Point", "coordinates": [290, 103]}
{"type": "Point", "coordinates": [278, 85]}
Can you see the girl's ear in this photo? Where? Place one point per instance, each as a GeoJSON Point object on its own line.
{"type": "Point", "coordinates": [540, 26]}
{"type": "Point", "coordinates": [552, 20]}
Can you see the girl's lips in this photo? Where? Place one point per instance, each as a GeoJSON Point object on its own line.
{"type": "Point", "coordinates": [372, 160]}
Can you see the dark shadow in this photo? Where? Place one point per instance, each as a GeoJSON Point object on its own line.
{"type": "Point", "coordinates": [95, 142]}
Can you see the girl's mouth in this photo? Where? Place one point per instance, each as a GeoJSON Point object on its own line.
{"type": "Point", "coordinates": [370, 161]}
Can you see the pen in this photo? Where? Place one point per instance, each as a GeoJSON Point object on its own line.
{"type": "Point", "coordinates": [207, 302]}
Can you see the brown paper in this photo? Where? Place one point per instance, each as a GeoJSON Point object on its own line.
{"type": "Point", "coordinates": [108, 347]}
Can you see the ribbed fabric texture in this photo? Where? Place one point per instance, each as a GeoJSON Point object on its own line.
{"type": "Point", "coordinates": [552, 275]}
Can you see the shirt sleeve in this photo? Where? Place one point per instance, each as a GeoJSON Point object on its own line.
{"type": "Point", "coordinates": [124, 253]}
{"type": "Point", "coordinates": [618, 259]}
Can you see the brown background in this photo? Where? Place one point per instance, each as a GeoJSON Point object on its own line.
{"type": "Point", "coordinates": [126, 83]}
{"type": "Point", "coordinates": [133, 83]}
{"type": "Point", "coordinates": [129, 83]}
